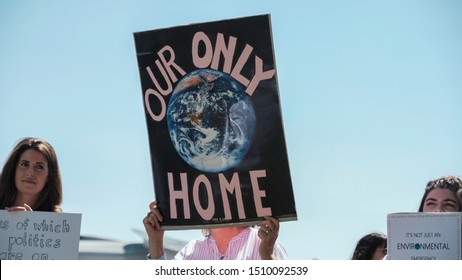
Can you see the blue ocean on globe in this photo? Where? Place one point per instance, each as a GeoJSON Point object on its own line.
{"type": "Point", "coordinates": [211, 120]}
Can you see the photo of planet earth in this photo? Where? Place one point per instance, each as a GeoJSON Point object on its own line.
{"type": "Point", "coordinates": [211, 120]}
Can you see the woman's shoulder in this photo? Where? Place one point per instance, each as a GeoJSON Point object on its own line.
{"type": "Point", "coordinates": [198, 242]}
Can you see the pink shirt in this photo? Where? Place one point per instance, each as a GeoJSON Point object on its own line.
{"type": "Point", "coordinates": [244, 246]}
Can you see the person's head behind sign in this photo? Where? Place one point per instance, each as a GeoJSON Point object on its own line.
{"type": "Point", "coordinates": [442, 195]}
{"type": "Point", "coordinates": [372, 246]}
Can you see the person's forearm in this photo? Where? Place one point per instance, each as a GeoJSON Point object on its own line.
{"type": "Point", "coordinates": [266, 252]}
{"type": "Point", "coordinates": [266, 257]}
{"type": "Point", "coordinates": [156, 249]}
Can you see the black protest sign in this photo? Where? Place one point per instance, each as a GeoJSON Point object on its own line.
{"type": "Point", "coordinates": [213, 114]}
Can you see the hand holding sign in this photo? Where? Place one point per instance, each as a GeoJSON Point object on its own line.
{"type": "Point", "coordinates": [25, 207]}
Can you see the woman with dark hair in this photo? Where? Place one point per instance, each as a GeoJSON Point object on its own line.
{"type": "Point", "coordinates": [442, 195]}
{"type": "Point", "coordinates": [30, 179]}
{"type": "Point", "coordinates": [371, 247]}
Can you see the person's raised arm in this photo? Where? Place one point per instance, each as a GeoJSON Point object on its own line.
{"type": "Point", "coordinates": [268, 233]}
{"type": "Point", "coordinates": [155, 234]}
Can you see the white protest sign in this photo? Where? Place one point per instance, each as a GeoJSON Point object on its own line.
{"type": "Point", "coordinates": [424, 236]}
{"type": "Point", "coordinates": [39, 235]}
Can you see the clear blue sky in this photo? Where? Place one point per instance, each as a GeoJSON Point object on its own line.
{"type": "Point", "coordinates": [371, 95]}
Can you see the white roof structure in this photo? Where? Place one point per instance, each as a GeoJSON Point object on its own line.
{"type": "Point", "coordinates": [100, 248]}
